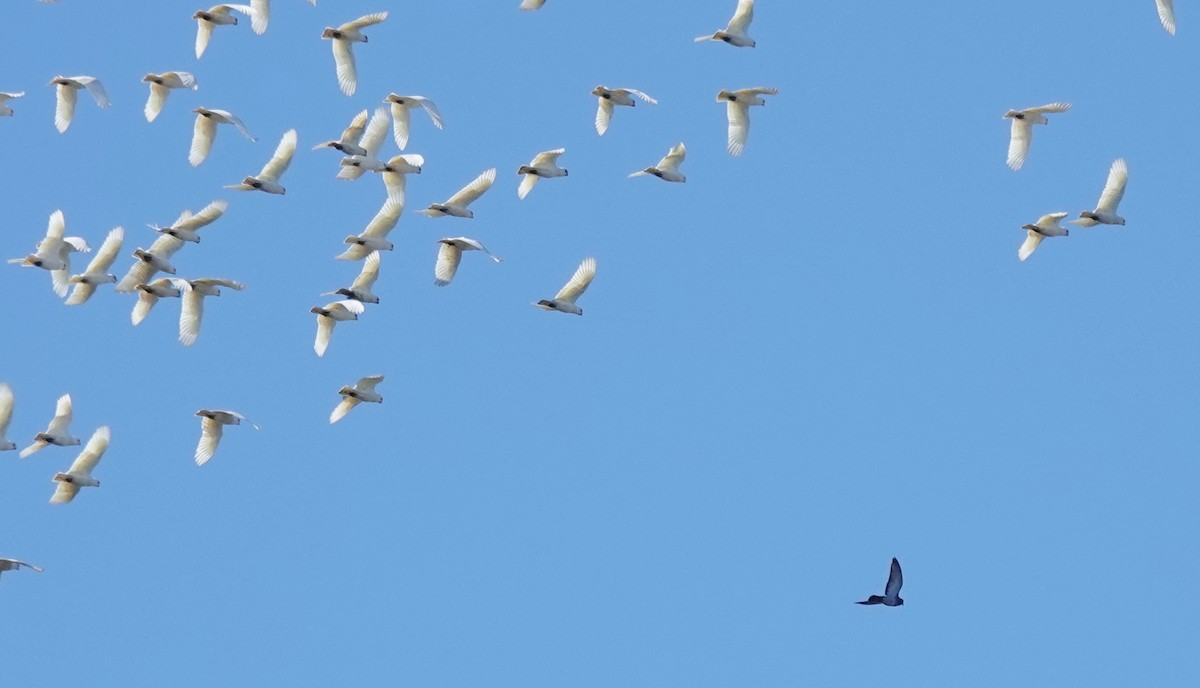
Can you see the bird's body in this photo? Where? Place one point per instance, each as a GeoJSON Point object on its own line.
{"type": "Point", "coordinates": [204, 132]}
{"type": "Point", "coordinates": [80, 473]}
{"type": "Point", "coordinates": [543, 165]}
{"type": "Point", "coordinates": [362, 391]}
{"type": "Point", "coordinates": [97, 270]}
{"type": "Point", "coordinates": [736, 32]}
{"type": "Point", "coordinates": [53, 253]}
{"type": "Point", "coordinates": [449, 255]}
{"type": "Point", "coordinates": [343, 38]}
{"type": "Point", "coordinates": [347, 143]}
{"type": "Point", "coordinates": [564, 301]}
{"type": "Point", "coordinates": [221, 15]}
{"type": "Point", "coordinates": [1022, 129]}
{"type": "Point", "coordinates": [401, 106]}
{"type": "Point", "coordinates": [67, 89]}
{"type": "Point", "coordinates": [370, 144]}
{"type": "Point", "coordinates": [737, 111]}
{"type": "Point", "coordinates": [58, 432]}
{"type": "Point", "coordinates": [891, 593]}
{"type": "Point", "coordinates": [187, 227]}
{"type": "Point", "coordinates": [331, 314]}
{"type": "Point", "coordinates": [360, 290]}
{"type": "Point", "coordinates": [193, 305]}
{"type": "Point", "coordinates": [609, 98]}
{"type": "Point", "coordinates": [15, 565]}
{"type": "Point", "coordinates": [1114, 190]}
{"type": "Point", "coordinates": [268, 179]}
{"type": "Point", "coordinates": [160, 88]}
{"type": "Point", "coordinates": [456, 206]}
{"type": "Point", "coordinates": [150, 293]}
{"type": "Point", "coordinates": [212, 424]}
{"type": "Point", "coordinates": [155, 259]}
{"type": "Point", "coordinates": [1046, 226]}
{"type": "Point", "coordinates": [667, 169]}
{"type": "Point", "coordinates": [374, 237]}
{"type": "Point", "coordinates": [395, 172]}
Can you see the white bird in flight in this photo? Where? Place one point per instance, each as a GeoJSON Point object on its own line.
{"type": "Point", "coordinates": [564, 300]}
{"type": "Point", "coordinates": [156, 259]}
{"type": "Point", "coordinates": [450, 254]}
{"type": "Point", "coordinates": [97, 270]}
{"type": "Point", "coordinates": [401, 107]}
{"type": "Point", "coordinates": [221, 15]}
{"type": "Point", "coordinates": [457, 204]}
{"type": "Point", "coordinates": [268, 179]}
{"type": "Point", "coordinates": [347, 143]}
{"type": "Point", "coordinates": [7, 401]}
{"type": "Point", "coordinates": [331, 314]}
{"type": "Point", "coordinates": [160, 88]}
{"type": "Point", "coordinates": [1114, 189]}
{"type": "Point", "coordinates": [150, 293]}
{"type": "Point", "coordinates": [58, 432]}
{"type": "Point", "coordinates": [667, 169]}
{"type": "Point", "coordinates": [53, 253]}
{"type": "Point", "coordinates": [68, 91]}
{"type": "Point", "coordinates": [212, 424]}
{"type": "Point", "coordinates": [205, 131]}
{"type": "Point", "coordinates": [363, 390]}
{"type": "Point", "coordinates": [1166, 15]}
{"type": "Point", "coordinates": [5, 110]}
{"type": "Point", "coordinates": [193, 305]}
{"type": "Point", "coordinates": [610, 97]}
{"type": "Point", "coordinates": [1022, 129]}
{"type": "Point", "coordinates": [736, 32]}
{"type": "Point", "coordinates": [360, 290]}
{"type": "Point", "coordinates": [80, 473]}
{"type": "Point", "coordinates": [737, 111]}
{"type": "Point", "coordinates": [395, 173]}
{"type": "Point", "coordinates": [374, 237]}
{"type": "Point", "coordinates": [1046, 226]}
{"type": "Point", "coordinates": [15, 565]}
{"type": "Point", "coordinates": [370, 143]}
{"type": "Point", "coordinates": [544, 164]}
{"type": "Point", "coordinates": [186, 228]}
{"type": "Point", "coordinates": [343, 38]}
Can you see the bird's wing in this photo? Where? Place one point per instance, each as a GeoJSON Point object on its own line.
{"type": "Point", "coordinates": [92, 451]}
{"type": "Point", "coordinates": [532, 4]}
{"type": "Point", "coordinates": [639, 94]}
{"type": "Point", "coordinates": [107, 254]}
{"type": "Point", "coordinates": [57, 226]}
{"type": "Point", "coordinates": [203, 134]}
{"type": "Point", "coordinates": [64, 493]}
{"type": "Point", "coordinates": [64, 108]}
{"type": "Point", "coordinates": [1018, 143]}
{"type": "Point", "coordinates": [4, 97]}
{"type": "Point", "coordinates": [547, 157]}
{"type": "Point", "coordinates": [186, 80]}
{"type": "Point", "coordinates": [237, 123]}
{"type": "Point", "coordinates": [141, 309]}
{"type": "Point", "coordinates": [895, 580]}
{"type": "Point", "coordinates": [1050, 220]}
{"type": "Point", "coordinates": [1031, 243]}
{"type": "Point", "coordinates": [342, 409]}
{"type": "Point", "coordinates": [385, 220]}
{"type": "Point", "coordinates": [1166, 15]}
{"type": "Point", "coordinates": [447, 264]}
{"type": "Point", "coordinates": [204, 29]}
{"type": "Point", "coordinates": [138, 274]}
{"type": "Point", "coordinates": [63, 412]}
{"type": "Point", "coordinates": [527, 183]}
{"type": "Point", "coordinates": [469, 193]}
{"type": "Point", "coordinates": [158, 98]}
{"type": "Point", "coordinates": [369, 273]}
{"type": "Point", "coordinates": [7, 401]}
{"type": "Point", "coordinates": [363, 22]}
{"type": "Point", "coordinates": [354, 132]}
{"type": "Point", "coordinates": [674, 157]}
{"type": "Point", "coordinates": [190, 316]}
{"type": "Point", "coordinates": [742, 16]}
{"type": "Point", "coordinates": [367, 384]}
{"type": "Point", "coordinates": [739, 126]}
{"type": "Point", "coordinates": [376, 131]}
{"type": "Point", "coordinates": [95, 88]}
{"type": "Point", "coordinates": [396, 186]}
{"type": "Point", "coordinates": [324, 333]}
{"type": "Point", "coordinates": [400, 124]}
{"type": "Point", "coordinates": [210, 436]}
{"type": "Point", "coordinates": [1043, 109]}
{"type": "Point", "coordinates": [206, 216]}
{"type": "Point", "coordinates": [1114, 188]}
{"type": "Point", "coordinates": [260, 16]}
{"type": "Point", "coordinates": [279, 162]}
{"type": "Point", "coordinates": [579, 281]}
{"type": "Point", "coordinates": [165, 246]}
{"type": "Point", "coordinates": [347, 72]}
{"type": "Point", "coordinates": [603, 115]}
{"type": "Point", "coordinates": [431, 109]}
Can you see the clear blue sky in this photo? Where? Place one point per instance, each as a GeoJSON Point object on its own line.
{"type": "Point", "coordinates": [797, 365]}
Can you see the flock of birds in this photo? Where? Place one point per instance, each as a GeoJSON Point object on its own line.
{"type": "Point", "coordinates": [361, 145]}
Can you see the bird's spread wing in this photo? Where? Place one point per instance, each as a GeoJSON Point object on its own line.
{"type": "Point", "coordinates": [547, 157]}
{"type": "Point", "coordinates": [385, 220]}
{"type": "Point", "coordinates": [347, 72]}
{"type": "Point", "coordinates": [1166, 15]}
{"type": "Point", "coordinates": [376, 131]}
{"type": "Point", "coordinates": [95, 88]}
{"type": "Point", "coordinates": [739, 126]}
{"type": "Point", "coordinates": [469, 193]}
{"type": "Point", "coordinates": [895, 580]}
{"type": "Point", "coordinates": [363, 22]}
{"type": "Point", "coordinates": [107, 254]}
{"type": "Point", "coordinates": [354, 132]}
{"type": "Point", "coordinates": [367, 384]}
{"type": "Point", "coordinates": [1114, 188]}
{"type": "Point", "coordinates": [400, 124]}
{"type": "Point", "coordinates": [603, 115]}
{"type": "Point", "coordinates": [190, 316]}
{"type": "Point", "coordinates": [63, 412]}
{"type": "Point", "coordinates": [260, 16]}
{"type": "Point", "coordinates": [369, 273]}
{"type": "Point", "coordinates": [203, 134]}
{"type": "Point", "coordinates": [237, 123]}
{"type": "Point", "coordinates": [64, 108]}
{"type": "Point", "coordinates": [342, 409]}
{"type": "Point", "coordinates": [207, 216]}
{"type": "Point", "coordinates": [7, 401]}
{"type": "Point", "coordinates": [674, 157]}
{"type": "Point", "coordinates": [204, 29]}
{"type": "Point", "coordinates": [742, 16]}
{"type": "Point", "coordinates": [639, 94]}
{"type": "Point", "coordinates": [57, 226]}
{"type": "Point", "coordinates": [579, 281]}
{"type": "Point", "coordinates": [431, 109]}
{"type": "Point", "coordinates": [1050, 219]}
{"type": "Point", "coordinates": [447, 264]}
{"type": "Point", "coordinates": [279, 162]}
{"type": "Point", "coordinates": [1031, 243]}
{"type": "Point", "coordinates": [64, 493]}
{"type": "Point", "coordinates": [158, 98]}
{"type": "Point", "coordinates": [529, 5]}
{"type": "Point", "coordinates": [210, 436]}
{"type": "Point", "coordinates": [1043, 109]}
{"type": "Point", "coordinates": [324, 333]}
{"type": "Point", "coordinates": [527, 183]}
{"type": "Point", "coordinates": [92, 451]}
{"type": "Point", "coordinates": [1018, 143]}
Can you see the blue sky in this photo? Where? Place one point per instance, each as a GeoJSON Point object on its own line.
{"type": "Point", "coordinates": [797, 365]}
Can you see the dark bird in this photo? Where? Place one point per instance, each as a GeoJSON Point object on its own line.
{"type": "Point", "coordinates": [891, 594]}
